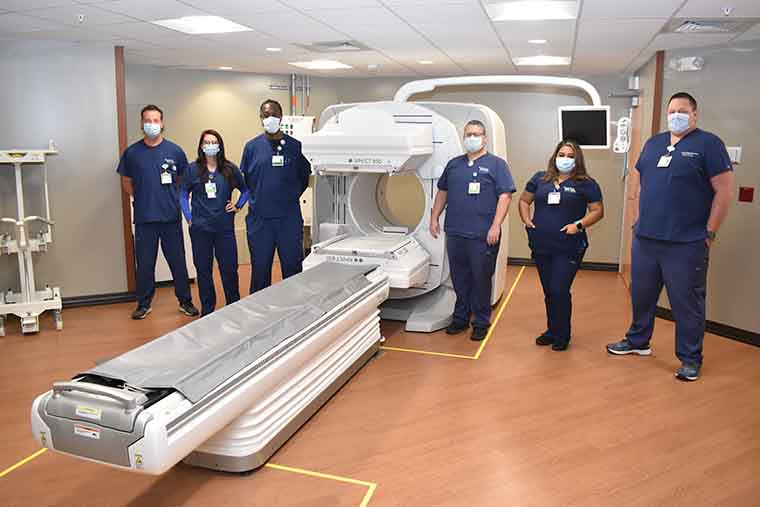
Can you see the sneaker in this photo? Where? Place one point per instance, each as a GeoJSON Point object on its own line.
{"type": "Point", "coordinates": [478, 333]}
{"type": "Point", "coordinates": [544, 340]}
{"type": "Point", "coordinates": [560, 346]}
{"type": "Point", "coordinates": [457, 327]}
{"type": "Point", "coordinates": [624, 347]}
{"type": "Point", "coordinates": [188, 309]}
{"type": "Point", "coordinates": [688, 372]}
{"type": "Point", "coordinates": [141, 312]}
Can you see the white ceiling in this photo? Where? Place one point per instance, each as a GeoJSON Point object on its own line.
{"type": "Point", "coordinates": [608, 37]}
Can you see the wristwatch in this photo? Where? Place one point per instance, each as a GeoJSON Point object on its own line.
{"type": "Point", "coordinates": [711, 235]}
{"type": "Point", "coordinates": [579, 225]}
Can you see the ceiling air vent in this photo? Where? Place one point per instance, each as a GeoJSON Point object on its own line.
{"type": "Point", "coordinates": [717, 25]}
{"type": "Point", "coordinates": [341, 46]}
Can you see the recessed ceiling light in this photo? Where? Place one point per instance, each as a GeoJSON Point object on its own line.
{"type": "Point", "coordinates": [541, 60]}
{"type": "Point", "coordinates": [532, 10]}
{"type": "Point", "coordinates": [225, 68]}
{"type": "Point", "coordinates": [320, 65]}
{"type": "Point", "coordinates": [197, 25]}
{"type": "Point", "coordinates": [425, 62]}
{"type": "Point", "coordinates": [274, 50]}
{"type": "Point", "coordinates": [372, 66]}
{"type": "Point", "coordinates": [537, 41]}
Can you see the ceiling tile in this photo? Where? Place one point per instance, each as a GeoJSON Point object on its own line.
{"type": "Point", "coordinates": [679, 40]}
{"type": "Point", "coordinates": [24, 5]}
{"type": "Point", "coordinates": [232, 8]}
{"type": "Point", "coordinates": [751, 34]}
{"type": "Point", "coordinates": [73, 34]}
{"type": "Point", "coordinates": [713, 9]}
{"type": "Point", "coordinates": [608, 36]}
{"type": "Point", "coordinates": [308, 5]}
{"type": "Point", "coordinates": [15, 23]}
{"type": "Point", "coordinates": [431, 3]}
{"type": "Point", "coordinates": [151, 10]}
{"type": "Point", "coordinates": [69, 15]}
{"type": "Point", "coordinates": [291, 27]}
{"type": "Point", "coordinates": [595, 9]}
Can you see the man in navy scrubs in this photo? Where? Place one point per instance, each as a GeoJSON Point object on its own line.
{"type": "Point", "coordinates": [476, 189]}
{"type": "Point", "coordinates": [276, 174]}
{"type": "Point", "coordinates": [687, 185]}
{"type": "Point", "coordinates": [150, 170]}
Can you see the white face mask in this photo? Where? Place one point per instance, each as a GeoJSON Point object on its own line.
{"type": "Point", "coordinates": [473, 143]}
{"type": "Point", "coordinates": [271, 124]}
{"type": "Point", "coordinates": [151, 129]}
{"type": "Point", "coordinates": [210, 150]}
{"type": "Point", "coordinates": [564, 164]}
{"type": "Point", "coordinates": [678, 123]}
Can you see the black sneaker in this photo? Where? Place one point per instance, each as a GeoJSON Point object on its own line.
{"type": "Point", "coordinates": [141, 312]}
{"type": "Point", "coordinates": [688, 372]}
{"type": "Point", "coordinates": [188, 309]}
{"type": "Point", "coordinates": [560, 346]}
{"type": "Point", "coordinates": [544, 340]}
{"type": "Point", "coordinates": [478, 333]}
{"type": "Point", "coordinates": [624, 347]}
{"type": "Point", "coordinates": [457, 327]}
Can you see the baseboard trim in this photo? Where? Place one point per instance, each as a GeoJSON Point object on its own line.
{"type": "Point", "coordinates": [99, 299]}
{"type": "Point", "coordinates": [588, 266]}
{"type": "Point", "coordinates": [733, 333]}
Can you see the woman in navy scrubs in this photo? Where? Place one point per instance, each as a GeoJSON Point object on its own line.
{"type": "Point", "coordinates": [211, 215]}
{"type": "Point", "coordinates": [566, 202]}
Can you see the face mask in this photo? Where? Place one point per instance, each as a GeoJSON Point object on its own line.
{"type": "Point", "coordinates": [564, 164]}
{"type": "Point", "coordinates": [210, 150]}
{"type": "Point", "coordinates": [271, 124]}
{"type": "Point", "coordinates": [678, 122]}
{"type": "Point", "coordinates": [151, 129]}
{"type": "Point", "coordinates": [473, 143]}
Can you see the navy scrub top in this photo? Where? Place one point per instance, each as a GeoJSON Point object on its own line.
{"type": "Point", "coordinates": [471, 215]}
{"type": "Point", "coordinates": [675, 201]}
{"type": "Point", "coordinates": [549, 219]}
{"type": "Point", "coordinates": [209, 214]}
{"type": "Point", "coordinates": [275, 191]}
{"type": "Point", "coordinates": [154, 201]}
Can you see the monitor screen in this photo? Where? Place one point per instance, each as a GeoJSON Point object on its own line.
{"type": "Point", "coordinates": [589, 126]}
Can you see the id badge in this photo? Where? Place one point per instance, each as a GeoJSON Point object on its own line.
{"type": "Point", "coordinates": [554, 197]}
{"type": "Point", "coordinates": [474, 188]}
{"type": "Point", "coordinates": [664, 161]}
{"type": "Point", "coordinates": [278, 160]}
{"type": "Point", "coordinates": [166, 178]}
{"type": "Point", "coordinates": [211, 190]}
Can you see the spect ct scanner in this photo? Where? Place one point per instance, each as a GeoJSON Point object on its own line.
{"type": "Point", "coordinates": [226, 391]}
{"type": "Point", "coordinates": [361, 155]}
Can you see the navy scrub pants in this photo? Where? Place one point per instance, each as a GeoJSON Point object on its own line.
{"type": "Point", "coordinates": [557, 272]}
{"type": "Point", "coordinates": [264, 235]}
{"type": "Point", "coordinates": [472, 263]}
{"type": "Point", "coordinates": [207, 245]}
{"type": "Point", "coordinates": [682, 269]}
{"type": "Point", "coordinates": [147, 237]}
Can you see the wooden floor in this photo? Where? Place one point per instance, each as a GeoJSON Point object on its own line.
{"type": "Point", "coordinates": [520, 426]}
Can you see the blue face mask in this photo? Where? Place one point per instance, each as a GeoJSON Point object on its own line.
{"type": "Point", "coordinates": [678, 123]}
{"type": "Point", "coordinates": [473, 143]}
{"type": "Point", "coordinates": [152, 129]}
{"type": "Point", "coordinates": [564, 164]}
{"type": "Point", "coordinates": [210, 150]}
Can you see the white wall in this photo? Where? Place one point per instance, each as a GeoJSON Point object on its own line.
{"type": "Point", "coordinates": [194, 100]}
{"type": "Point", "coordinates": [67, 93]}
{"type": "Point", "coordinates": [727, 93]}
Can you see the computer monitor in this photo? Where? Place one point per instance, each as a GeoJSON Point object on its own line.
{"type": "Point", "coordinates": [589, 126]}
